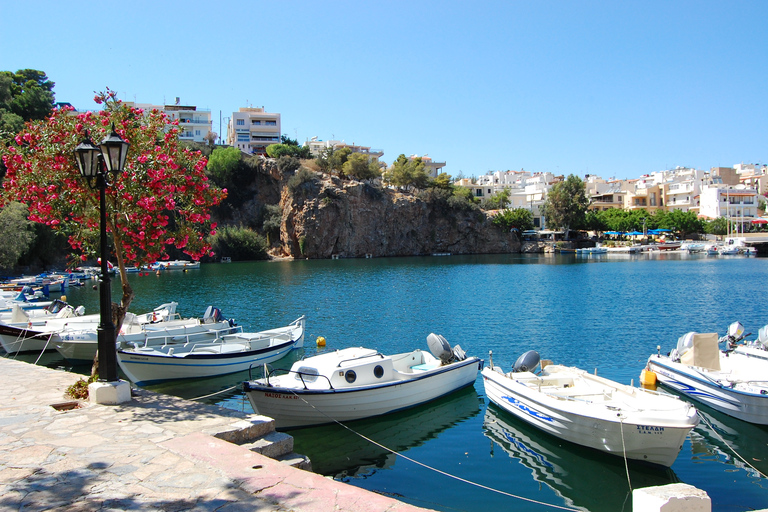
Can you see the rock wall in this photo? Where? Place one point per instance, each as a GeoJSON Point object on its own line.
{"type": "Point", "coordinates": [326, 217]}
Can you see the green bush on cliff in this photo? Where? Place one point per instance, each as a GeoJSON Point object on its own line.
{"type": "Point", "coordinates": [302, 176]}
{"type": "Point", "coordinates": [239, 243]}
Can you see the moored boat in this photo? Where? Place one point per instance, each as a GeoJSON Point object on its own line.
{"type": "Point", "coordinates": [217, 352]}
{"type": "Point", "coordinates": [734, 382]}
{"type": "Point", "coordinates": [592, 411]}
{"type": "Point", "coordinates": [78, 343]}
{"type": "Point", "coordinates": [356, 383]}
{"type": "Point", "coordinates": [175, 265]}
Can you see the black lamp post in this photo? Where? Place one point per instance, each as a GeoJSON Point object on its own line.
{"type": "Point", "coordinates": [95, 162]}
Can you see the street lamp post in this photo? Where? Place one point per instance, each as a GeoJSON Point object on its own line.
{"type": "Point", "coordinates": [95, 163]}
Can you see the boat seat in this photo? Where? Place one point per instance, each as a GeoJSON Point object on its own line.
{"type": "Point", "coordinates": [425, 367]}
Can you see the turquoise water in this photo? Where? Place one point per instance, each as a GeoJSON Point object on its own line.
{"type": "Point", "coordinates": [601, 312]}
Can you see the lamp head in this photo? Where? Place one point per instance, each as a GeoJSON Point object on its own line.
{"type": "Point", "coordinates": [114, 150]}
{"type": "Point", "coordinates": [87, 156]}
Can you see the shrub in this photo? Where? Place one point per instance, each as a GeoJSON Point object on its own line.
{"type": "Point", "coordinates": [300, 178]}
{"type": "Point", "coordinates": [240, 244]}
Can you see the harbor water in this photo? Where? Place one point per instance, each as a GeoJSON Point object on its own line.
{"type": "Point", "coordinates": [601, 313]}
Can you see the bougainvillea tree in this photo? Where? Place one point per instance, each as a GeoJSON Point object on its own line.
{"type": "Point", "coordinates": [161, 199]}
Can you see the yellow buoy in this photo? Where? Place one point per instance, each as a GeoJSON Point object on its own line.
{"type": "Point", "coordinates": [320, 341]}
{"type": "Point", "coordinates": [64, 298]}
{"type": "Point", "coordinates": [647, 378]}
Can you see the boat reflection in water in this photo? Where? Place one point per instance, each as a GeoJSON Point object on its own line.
{"type": "Point", "coordinates": [718, 435]}
{"type": "Point", "coordinates": [342, 454]}
{"type": "Point", "coordinates": [584, 478]}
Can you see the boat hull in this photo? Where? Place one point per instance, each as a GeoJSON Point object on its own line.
{"type": "Point", "coordinates": [292, 408]}
{"type": "Point", "coordinates": [747, 406]}
{"type": "Point", "coordinates": [621, 433]}
{"type": "Point", "coordinates": [144, 368]}
{"type": "Point", "coordinates": [16, 340]}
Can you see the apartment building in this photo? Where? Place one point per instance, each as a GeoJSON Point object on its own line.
{"type": "Point", "coordinates": [738, 203]}
{"type": "Point", "coordinates": [252, 129]}
{"type": "Point", "coordinates": [194, 123]}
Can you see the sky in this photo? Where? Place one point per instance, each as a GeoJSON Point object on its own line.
{"type": "Point", "coordinates": [616, 89]}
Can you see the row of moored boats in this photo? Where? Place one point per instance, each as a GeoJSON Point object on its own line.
{"type": "Point", "coordinates": [354, 383]}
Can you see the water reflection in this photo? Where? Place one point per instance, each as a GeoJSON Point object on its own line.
{"type": "Point", "coordinates": [718, 436]}
{"type": "Point", "coordinates": [342, 454]}
{"type": "Point", "coordinates": [584, 478]}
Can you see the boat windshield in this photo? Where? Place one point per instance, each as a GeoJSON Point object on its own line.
{"type": "Point", "coordinates": [307, 374]}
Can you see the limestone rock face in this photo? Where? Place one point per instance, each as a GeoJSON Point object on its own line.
{"type": "Point", "coordinates": [328, 217]}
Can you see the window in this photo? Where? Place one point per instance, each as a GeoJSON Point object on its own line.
{"type": "Point", "coordinates": [270, 123]}
{"type": "Point", "coordinates": [197, 132]}
{"type": "Point", "coordinates": [240, 122]}
{"type": "Point", "coordinates": [255, 121]}
{"type": "Point", "coordinates": [243, 137]}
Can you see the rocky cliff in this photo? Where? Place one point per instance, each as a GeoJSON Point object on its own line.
{"type": "Point", "coordinates": [324, 216]}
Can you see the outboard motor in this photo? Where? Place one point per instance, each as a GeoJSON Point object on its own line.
{"type": "Point", "coordinates": [735, 334]}
{"type": "Point", "coordinates": [527, 362]}
{"type": "Point", "coordinates": [762, 338]}
{"type": "Point", "coordinates": [684, 344]}
{"type": "Point", "coordinates": [440, 347]}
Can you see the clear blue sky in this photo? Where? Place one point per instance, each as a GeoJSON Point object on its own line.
{"type": "Point", "coordinates": [613, 88]}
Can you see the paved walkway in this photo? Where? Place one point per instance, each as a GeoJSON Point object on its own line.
{"type": "Point", "coordinates": [153, 453]}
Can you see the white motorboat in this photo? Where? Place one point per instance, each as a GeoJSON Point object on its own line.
{"type": "Point", "coordinates": [31, 330]}
{"type": "Point", "coordinates": [78, 343]}
{"type": "Point", "coordinates": [734, 382]}
{"type": "Point", "coordinates": [217, 352]}
{"type": "Point", "coordinates": [355, 383]}
{"type": "Point", "coordinates": [592, 411]}
{"type": "Point", "coordinates": [175, 265]}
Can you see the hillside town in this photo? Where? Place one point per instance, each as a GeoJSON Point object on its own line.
{"type": "Point", "coordinates": [733, 192]}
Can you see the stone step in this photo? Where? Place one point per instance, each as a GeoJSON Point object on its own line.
{"type": "Point", "coordinates": [272, 445]}
{"type": "Point", "coordinates": [245, 431]}
{"type": "Point", "coordinates": [296, 460]}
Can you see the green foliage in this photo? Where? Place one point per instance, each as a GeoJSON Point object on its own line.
{"type": "Point", "coordinates": [273, 217]}
{"type": "Point", "coordinates": [566, 204]}
{"type": "Point", "coordinates": [407, 173]}
{"type": "Point", "coordinates": [518, 218]}
{"type": "Point", "coordinates": [497, 201]}
{"type": "Point", "coordinates": [285, 139]}
{"type": "Point", "coordinates": [462, 199]}
{"type": "Point", "coordinates": [280, 150]}
{"type": "Point", "coordinates": [302, 244]}
{"type": "Point", "coordinates": [222, 164]}
{"type": "Point", "coordinates": [717, 226]}
{"type": "Point", "coordinates": [239, 243]}
{"type": "Point", "coordinates": [443, 181]}
{"type": "Point", "coordinates": [26, 95]}
{"type": "Point", "coordinates": [361, 167]}
{"type": "Point", "coordinates": [302, 176]}
{"type": "Point", "coordinates": [79, 390]}
{"type": "Point", "coordinates": [16, 232]}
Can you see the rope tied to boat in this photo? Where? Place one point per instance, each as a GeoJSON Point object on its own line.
{"type": "Point", "coordinates": [624, 450]}
{"type": "Point", "coordinates": [730, 447]}
{"type": "Point", "coordinates": [427, 466]}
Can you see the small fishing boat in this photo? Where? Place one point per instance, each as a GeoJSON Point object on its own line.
{"type": "Point", "coordinates": [734, 381]}
{"type": "Point", "coordinates": [175, 265]}
{"type": "Point", "coordinates": [217, 352]}
{"type": "Point", "coordinates": [355, 383]}
{"type": "Point", "coordinates": [34, 330]}
{"type": "Point", "coordinates": [592, 411]}
{"type": "Point", "coordinates": [78, 342]}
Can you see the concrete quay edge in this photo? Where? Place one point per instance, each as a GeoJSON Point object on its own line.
{"type": "Point", "coordinates": [155, 452]}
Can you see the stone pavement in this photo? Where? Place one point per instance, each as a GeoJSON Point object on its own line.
{"type": "Point", "coordinates": [153, 453]}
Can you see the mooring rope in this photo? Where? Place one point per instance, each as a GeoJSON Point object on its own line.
{"type": "Point", "coordinates": [729, 446]}
{"type": "Point", "coordinates": [214, 394]}
{"type": "Point", "coordinates": [449, 475]}
{"type": "Point", "coordinates": [624, 451]}
{"type": "Point", "coordinates": [50, 337]}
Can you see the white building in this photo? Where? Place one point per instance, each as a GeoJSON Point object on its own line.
{"type": "Point", "coordinates": [738, 203]}
{"type": "Point", "coordinates": [194, 123]}
{"type": "Point", "coordinates": [252, 129]}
